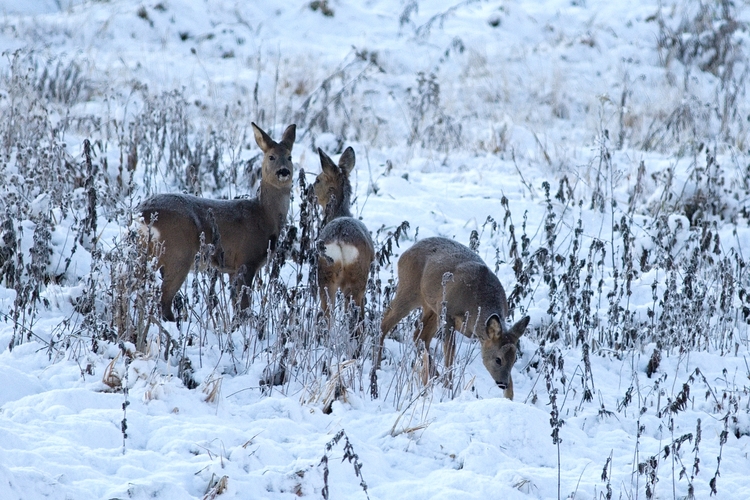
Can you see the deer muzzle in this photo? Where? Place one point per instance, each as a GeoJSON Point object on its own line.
{"type": "Point", "coordinates": [283, 174]}
{"type": "Point", "coordinates": [502, 385]}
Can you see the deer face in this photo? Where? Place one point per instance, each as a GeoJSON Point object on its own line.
{"type": "Point", "coordinates": [499, 349]}
{"type": "Point", "coordinates": [499, 358]}
{"type": "Point", "coordinates": [324, 187]}
{"type": "Point", "coordinates": [277, 157]}
{"type": "Point", "coordinates": [333, 180]}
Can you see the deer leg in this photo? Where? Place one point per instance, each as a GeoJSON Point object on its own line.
{"type": "Point", "coordinates": [424, 332]}
{"type": "Point", "coordinates": [406, 299]}
{"type": "Point", "coordinates": [173, 276]}
{"type": "Point", "coordinates": [358, 298]}
{"type": "Point", "coordinates": [329, 276]}
{"type": "Point", "coordinates": [449, 345]}
{"type": "Point", "coordinates": [243, 282]}
{"type": "Point", "coordinates": [325, 293]}
{"type": "Point", "coordinates": [427, 329]}
{"type": "Point", "coordinates": [508, 392]}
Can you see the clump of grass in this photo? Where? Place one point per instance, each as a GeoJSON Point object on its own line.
{"type": "Point", "coordinates": [322, 5]}
{"type": "Point", "coordinates": [706, 37]}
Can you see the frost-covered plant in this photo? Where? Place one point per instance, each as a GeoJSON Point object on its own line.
{"type": "Point", "coordinates": [349, 455]}
{"type": "Point", "coordinates": [135, 290]}
{"type": "Point", "coordinates": [61, 80]}
{"type": "Point", "coordinates": [708, 35]}
{"type": "Point", "coordinates": [711, 37]}
{"type": "Point", "coordinates": [333, 107]}
{"type": "Point", "coordinates": [431, 126]}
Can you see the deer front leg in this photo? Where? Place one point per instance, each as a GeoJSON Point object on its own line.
{"type": "Point", "coordinates": [449, 347]}
{"type": "Point", "coordinates": [508, 392]}
{"type": "Point", "coordinates": [243, 282]}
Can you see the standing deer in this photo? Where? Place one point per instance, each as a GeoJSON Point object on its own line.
{"type": "Point", "coordinates": [241, 230]}
{"type": "Point", "coordinates": [345, 263]}
{"type": "Point", "coordinates": [435, 271]}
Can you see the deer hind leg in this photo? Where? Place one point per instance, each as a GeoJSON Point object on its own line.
{"type": "Point", "coordinates": [424, 332]}
{"type": "Point", "coordinates": [357, 295]}
{"type": "Point", "coordinates": [173, 276]}
{"type": "Point", "coordinates": [427, 328]}
{"type": "Point", "coordinates": [328, 283]}
{"type": "Point", "coordinates": [327, 301]}
{"type": "Point", "coordinates": [406, 299]}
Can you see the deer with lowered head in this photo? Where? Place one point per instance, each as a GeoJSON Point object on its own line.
{"type": "Point", "coordinates": [437, 270]}
{"type": "Point", "coordinates": [241, 230]}
{"type": "Point", "coordinates": [348, 250]}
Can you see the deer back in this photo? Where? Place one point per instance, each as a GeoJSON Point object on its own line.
{"type": "Point", "coordinates": [472, 287]}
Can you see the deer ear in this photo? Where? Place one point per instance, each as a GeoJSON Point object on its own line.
{"type": "Point", "coordinates": [493, 329]}
{"type": "Point", "coordinates": [290, 134]}
{"type": "Point", "coordinates": [346, 162]}
{"type": "Point", "coordinates": [517, 330]}
{"type": "Point", "coordinates": [264, 140]}
{"type": "Point", "coordinates": [327, 164]}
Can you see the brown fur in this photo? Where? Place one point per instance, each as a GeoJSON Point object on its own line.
{"type": "Point", "coordinates": [246, 228]}
{"type": "Point", "coordinates": [473, 289]}
{"type": "Point", "coordinates": [333, 190]}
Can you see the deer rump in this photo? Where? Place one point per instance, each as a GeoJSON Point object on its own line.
{"type": "Point", "coordinates": [345, 260]}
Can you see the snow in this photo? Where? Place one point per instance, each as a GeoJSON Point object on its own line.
{"type": "Point", "coordinates": [533, 95]}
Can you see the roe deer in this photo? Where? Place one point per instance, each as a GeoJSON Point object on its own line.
{"type": "Point", "coordinates": [473, 294]}
{"type": "Point", "coordinates": [348, 248]}
{"type": "Point", "coordinates": [242, 230]}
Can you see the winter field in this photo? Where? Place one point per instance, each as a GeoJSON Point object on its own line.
{"type": "Point", "coordinates": [595, 154]}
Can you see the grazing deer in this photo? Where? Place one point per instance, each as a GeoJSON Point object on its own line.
{"type": "Point", "coordinates": [348, 248]}
{"type": "Point", "coordinates": [435, 271]}
{"type": "Point", "coordinates": [241, 230]}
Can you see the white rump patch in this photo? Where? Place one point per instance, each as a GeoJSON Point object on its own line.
{"type": "Point", "coordinates": [342, 252]}
{"type": "Point", "coordinates": [144, 230]}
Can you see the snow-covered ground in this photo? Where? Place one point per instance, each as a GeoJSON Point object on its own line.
{"type": "Point", "coordinates": [454, 109]}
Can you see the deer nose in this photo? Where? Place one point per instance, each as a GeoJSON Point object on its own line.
{"type": "Point", "coordinates": [502, 385]}
{"type": "Point", "coordinates": [283, 173]}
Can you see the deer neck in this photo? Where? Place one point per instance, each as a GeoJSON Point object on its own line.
{"type": "Point", "coordinates": [275, 203]}
{"type": "Point", "coordinates": [337, 207]}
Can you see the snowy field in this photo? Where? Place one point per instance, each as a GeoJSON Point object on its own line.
{"type": "Point", "coordinates": [597, 152]}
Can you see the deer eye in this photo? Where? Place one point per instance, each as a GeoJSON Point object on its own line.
{"type": "Point", "coordinates": [290, 158]}
{"type": "Point", "coordinates": [272, 158]}
{"type": "Point", "coordinates": [498, 361]}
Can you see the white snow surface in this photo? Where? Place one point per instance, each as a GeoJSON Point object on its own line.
{"type": "Point", "coordinates": [549, 76]}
